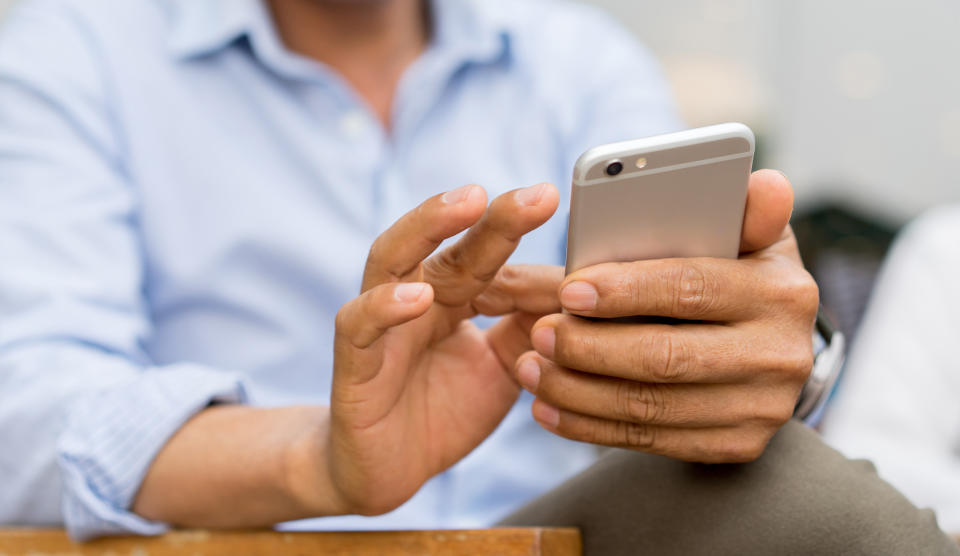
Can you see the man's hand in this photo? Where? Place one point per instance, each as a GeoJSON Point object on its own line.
{"type": "Point", "coordinates": [714, 388]}
{"type": "Point", "coordinates": [416, 386]}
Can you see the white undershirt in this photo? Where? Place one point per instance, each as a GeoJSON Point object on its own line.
{"type": "Point", "coordinates": [899, 400]}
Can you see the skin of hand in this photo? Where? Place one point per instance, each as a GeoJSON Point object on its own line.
{"type": "Point", "coordinates": [712, 387]}
{"type": "Point", "coordinates": [416, 385]}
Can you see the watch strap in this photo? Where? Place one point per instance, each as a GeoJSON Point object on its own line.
{"type": "Point", "coordinates": [829, 356]}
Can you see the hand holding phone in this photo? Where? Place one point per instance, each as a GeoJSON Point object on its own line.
{"type": "Point", "coordinates": [720, 380]}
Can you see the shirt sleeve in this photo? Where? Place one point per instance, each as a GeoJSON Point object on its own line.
{"type": "Point", "coordinates": [83, 410]}
{"type": "Point", "coordinates": [898, 402]}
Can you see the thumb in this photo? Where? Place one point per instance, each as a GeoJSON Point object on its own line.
{"type": "Point", "coordinates": [357, 352]}
{"type": "Point", "coordinates": [769, 205]}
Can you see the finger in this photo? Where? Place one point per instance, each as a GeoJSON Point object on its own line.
{"type": "Point", "coordinates": [768, 209]}
{"type": "Point", "coordinates": [664, 353]}
{"type": "Point", "coordinates": [365, 319]}
{"type": "Point", "coordinates": [399, 250]}
{"type": "Point", "coordinates": [464, 269]}
{"type": "Point", "coordinates": [706, 445]}
{"type": "Point", "coordinates": [527, 288]}
{"type": "Point", "coordinates": [691, 289]}
{"type": "Point", "coordinates": [510, 338]}
{"type": "Point", "coordinates": [676, 405]}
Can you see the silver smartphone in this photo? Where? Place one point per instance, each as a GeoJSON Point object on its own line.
{"type": "Point", "coordinates": [675, 195]}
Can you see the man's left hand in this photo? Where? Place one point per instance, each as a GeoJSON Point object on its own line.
{"type": "Point", "coordinates": [712, 387]}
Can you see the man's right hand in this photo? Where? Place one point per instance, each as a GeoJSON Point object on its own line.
{"type": "Point", "coordinates": [416, 385]}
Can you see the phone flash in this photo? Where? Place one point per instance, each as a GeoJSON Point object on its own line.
{"type": "Point", "coordinates": [641, 162]}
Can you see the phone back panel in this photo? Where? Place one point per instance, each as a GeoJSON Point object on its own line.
{"type": "Point", "coordinates": [687, 201]}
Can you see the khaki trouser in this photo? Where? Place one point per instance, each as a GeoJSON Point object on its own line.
{"type": "Point", "coordinates": [800, 497]}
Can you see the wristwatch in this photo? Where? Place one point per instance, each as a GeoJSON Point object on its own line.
{"type": "Point", "coordinates": [829, 353]}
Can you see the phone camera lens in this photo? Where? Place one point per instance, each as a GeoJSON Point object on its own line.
{"type": "Point", "coordinates": [614, 168]}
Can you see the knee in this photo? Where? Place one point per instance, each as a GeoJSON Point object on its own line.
{"type": "Point", "coordinates": [811, 499]}
{"type": "Point", "coordinates": [800, 497]}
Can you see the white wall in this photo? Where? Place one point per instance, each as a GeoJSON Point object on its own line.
{"type": "Point", "coordinates": [869, 96]}
{"type": "Point", "coordinates": [857, 100]}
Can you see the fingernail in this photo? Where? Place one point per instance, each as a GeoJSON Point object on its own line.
{"type": "Point", "coordinates": [408, 293]}
{"type": "Point", "coordinates": [546, 414]}
{"type": "Point", "coordinates": [457, 195]}
{"type": "Point", "coordinates": [528, 373]}
{"type": "Point", "coordinates": [579, 296]}
{"type": "Point", "coordinates": [543, 340]}
{"type": "Point", "coordinates": [530, 196]}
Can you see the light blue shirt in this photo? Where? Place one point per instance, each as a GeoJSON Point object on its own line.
{"type": "Point", "coordinates": [185, 204]}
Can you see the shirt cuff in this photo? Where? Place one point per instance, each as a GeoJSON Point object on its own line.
{"type": "Point", "coordinates": [111, 437]}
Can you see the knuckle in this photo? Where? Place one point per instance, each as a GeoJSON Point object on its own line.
{"type": "Point", "coordinates": [786, 362]}
{"type": "Point", "coordinates": [508, 275]}
{"type": "Point", "coordinates": [494, 300]}
{"type": "Point", "coordinates": [579, 351]}
{"type": "Point", "coordinates": [694, 293]}
{"type": "Point", "coordinates": [375, 254]}
{"type": "Point", "coordinates": [641, 403]}
{"type": "Point", "coordinates": [347, 329]}
{"type": "Point", "coordinates": [449, 261]}
{"type": "Point", "coordinates": [782, 412]}
{"type": "Point", "coordinates": [342, 320]}
{"type": "Point", "coordinates": [810, 289]}
{"type": "Point", "coordinates": [636, 435]}
{"type": "Point", "coordinates": [806, 295]}
{"type": "Point", "coordinates": [803, 364]}
{"type": "Point", "coordinates": [455, 263]}
{"type": "Point", "coordinates": [774, 411]}
{"type": "Point", "coordinates": [797, 361]}
{"type": "Point", "coordinates": [482, 276]}
{"type": "Point", "coordinates": [746, 453]}
{"type": "Point", "coordinates": [668, 358]}
{"type": "Point", "coordinates": [488, 303]}
{"type": "Point", "coordinates": [742, 449]}
{"type": "Point", "coordinates": [754, 446]}
{"type": "Point", "coordinates": [798, 291]}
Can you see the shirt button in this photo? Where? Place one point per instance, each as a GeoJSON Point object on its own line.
{"type": "Point", "coordinates": [353, 124]}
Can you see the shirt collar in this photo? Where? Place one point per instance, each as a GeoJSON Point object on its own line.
{"type": "Point", "coordinates": [201, 27]}
{"type": "Point", "coordinates": [466, 29]}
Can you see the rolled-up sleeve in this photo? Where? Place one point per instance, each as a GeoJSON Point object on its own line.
{"type": "Point", "coordinates": [83, 409]}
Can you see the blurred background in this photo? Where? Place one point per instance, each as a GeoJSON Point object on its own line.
{"type": "Point", "coordinates": [851, 99]}
{"type": "Point", "coordinates": [857, 101]}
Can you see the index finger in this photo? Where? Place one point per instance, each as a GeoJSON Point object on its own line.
{"type": "Point", "coordinates": [687, 288]}
{"type": "Point", "coordinates": [525, 288]}
{"type": "Point", "coordinates": [401, 248]}
{"type": "Point", "coordinates": [463, 270]}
